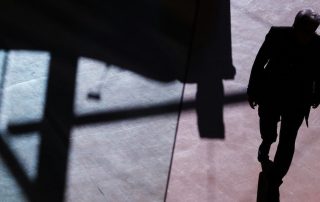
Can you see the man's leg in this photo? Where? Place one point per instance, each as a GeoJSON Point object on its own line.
{"type": "Point", "coordinates": [269, 118]}
{"type": "Point", "coordinates": [290, 125]}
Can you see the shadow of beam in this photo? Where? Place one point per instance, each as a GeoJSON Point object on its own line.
{"type": "Point", "coordinates": [126, 114]}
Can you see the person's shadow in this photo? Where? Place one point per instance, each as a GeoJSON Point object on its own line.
{"type": "Point", "coordinates": [164, 40]}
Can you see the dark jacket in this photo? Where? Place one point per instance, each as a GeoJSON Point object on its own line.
{"type": "Point", "coordinates": [286, 73]}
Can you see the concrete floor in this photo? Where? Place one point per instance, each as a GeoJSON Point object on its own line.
{"type": "Point", "coordinates": [129, 160]}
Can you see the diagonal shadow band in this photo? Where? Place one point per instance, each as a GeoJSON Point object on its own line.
{"type": "Point", "coordinates": [125, 114]}
{"type": "Point", "coordinates": [17, 171]}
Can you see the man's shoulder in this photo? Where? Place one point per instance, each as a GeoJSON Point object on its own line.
{"type": "Point", "coordinates": [317, 38]}
{"type": "Point", "coordinates": [277, 30]}
{"type": "Point", "coordinates": [316, 44]}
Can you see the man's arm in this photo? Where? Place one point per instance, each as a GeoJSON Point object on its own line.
{"type": "Point", "coordinates": [316, 94]}
{"type": "Point", "coordinates": [316, 74]}
{"type": "Point", "coordinates": [261, 60]}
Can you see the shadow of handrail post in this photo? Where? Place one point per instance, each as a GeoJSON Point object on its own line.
{"type": "Point", "coordinates": [56, 128]}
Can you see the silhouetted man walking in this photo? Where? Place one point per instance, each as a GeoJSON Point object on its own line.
{"type": "Point", "coordinates": [284, 84]}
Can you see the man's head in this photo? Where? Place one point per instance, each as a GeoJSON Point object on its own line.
{"type": "Point", "coordinates": [306, 21]}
